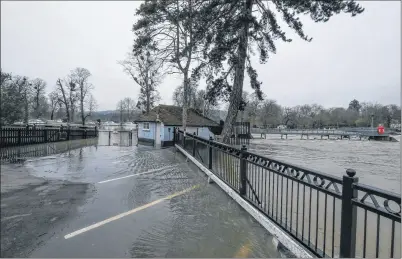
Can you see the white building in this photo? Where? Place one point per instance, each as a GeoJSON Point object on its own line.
{"type": "Point", "coordinates": [157, 127]}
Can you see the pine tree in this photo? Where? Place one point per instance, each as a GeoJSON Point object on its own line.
{"type": "Point", "coordinates": [236, 28]}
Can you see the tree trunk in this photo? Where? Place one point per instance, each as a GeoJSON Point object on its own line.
{"type": "Point", "coordinates": [185, 102]}
{"type": "Point", "coordinates": [37, 105]}
{"type": "Point", "coordinates": [51, 115]}
{"type": "Point", "coordinates": [236, 95]}
{"type": "Point", "coordinates": [26, 110]}
{"type": "Point", "coordinates": [82, 106]}
{"type": "Point", "coordinates": [148, 93]}
{"type": "Point", "coordinates": [72, 113]}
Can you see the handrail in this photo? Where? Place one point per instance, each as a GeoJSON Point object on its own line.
{"type": "Point", "coordinates": [258, 180]}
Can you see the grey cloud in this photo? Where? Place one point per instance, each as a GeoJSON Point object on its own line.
{"type": "Point", "coordinates": [348, 57]}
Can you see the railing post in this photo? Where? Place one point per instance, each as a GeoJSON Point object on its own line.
{"type": "Point", "coordinates": [210, 154]}
{"type": "Point", "coordinates": [348, 216]}
{"type": "Point", "coordinates": [243, 170]}
{"type": "Point", "coordinates": [45, 136]}
{"type": "Point", "coordinates": [194, 144]}
{"type": "Point", "coordinates": [184, 140]}
{"type": "Point", "coordinates": [19, 137]}
{"type": "Point", "coordinates": [174, 136]}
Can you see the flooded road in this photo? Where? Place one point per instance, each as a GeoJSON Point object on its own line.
{"type": "Point", "coordinates": [111, 201]}
{"type": "Point", "coordinates": [376, 163]}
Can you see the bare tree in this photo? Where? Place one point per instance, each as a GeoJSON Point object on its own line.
{"type": "Point", "coordinates": [144, 69]}
{"type": "Point", "coordinates": [27, 95]}
{"type": "Point", "coordinates": [91, 105]}
{"type": "Point", "coordinates": [121, 108]}
{"type": "Point", "coordinates": [38, 88]}
{"type": "Point", "coordinates": [130, 106]}
{"type": "Point", "coordinates": [269, 113]}
{"type": "Point", "coordinates": [178, 95]}
{"type": "Point", "coordinates": [254, 103]}
{"type": "Point", "coordinates": [169, 27]}
{"type": "Point", "coordinates": [66, 88]}
{"type": "Point", "coordinates": [80, 77]}
{"type": "Point", "coordinates": [53, 103]}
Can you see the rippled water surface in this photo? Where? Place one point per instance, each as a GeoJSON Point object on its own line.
{"type": "Point", "coordinates": [204, 222]}
{"type": "Point", "coordinates": [377, 163]}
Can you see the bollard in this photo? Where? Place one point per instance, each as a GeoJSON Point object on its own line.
{"type": "Point", "coordinates": [347, 247]}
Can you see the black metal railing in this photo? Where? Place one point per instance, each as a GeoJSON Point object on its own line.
{"type": "Point", "coordinates": [17, 154]}
{"type": "Point", "coordinates": [10, 136]}
{"type": "Point", "coordinates": [321, 211]}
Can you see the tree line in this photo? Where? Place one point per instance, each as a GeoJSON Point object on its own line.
{"type": "Point", "coordinates": [269, 113]}
{"type": "Point", "coordinates": [215, 40]}
{"type": "Point", "coordinates": [71, 99]}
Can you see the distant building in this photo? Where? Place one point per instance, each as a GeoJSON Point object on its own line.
{"type": "Point", "coordinates": [282, 127]}
{"type": "Point", "coordinates": [157, 126]}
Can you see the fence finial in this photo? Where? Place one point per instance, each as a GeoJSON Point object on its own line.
{"type": "Point", "coordinates": [350, 172]}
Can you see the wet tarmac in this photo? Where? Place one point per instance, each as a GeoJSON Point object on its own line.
{"type": "Point", "coordinates": [111, 201]}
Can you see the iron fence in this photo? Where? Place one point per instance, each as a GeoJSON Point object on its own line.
{"type": "Point", "coordinates": [26, 136]}
{"type": "Point", "coordinates": [328, 215]}
{"type": "Point", "coordinates": [17, 154]}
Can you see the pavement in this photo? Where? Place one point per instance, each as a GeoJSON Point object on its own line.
{"type": "Point", "coordinates": [110, 201]}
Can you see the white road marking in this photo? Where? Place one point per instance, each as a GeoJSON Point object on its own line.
{"type": "Point", "coordinates": [132, 175]}
{"type": "Point", "coordinates": [101, 223]}
{"type": "Point", "coordinates": [16, 216]}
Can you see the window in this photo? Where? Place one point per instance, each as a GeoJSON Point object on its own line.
{"type": "Point", "coordinates": [146, 126]}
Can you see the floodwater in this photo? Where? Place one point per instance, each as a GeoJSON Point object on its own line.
{"type": "Point", "coordinates": [377, 164]}
{"type": "Point", "coordinates": [203, 222]}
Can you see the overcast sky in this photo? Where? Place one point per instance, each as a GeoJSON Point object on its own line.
{"type": "Point", "coordinates": [348, 57]}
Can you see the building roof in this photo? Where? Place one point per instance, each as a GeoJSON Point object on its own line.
{"type": "Point", "coordinates": [172, 115]}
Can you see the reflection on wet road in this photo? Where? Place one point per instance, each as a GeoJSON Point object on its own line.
{"type": "Point", "coordinates": [144, 203]}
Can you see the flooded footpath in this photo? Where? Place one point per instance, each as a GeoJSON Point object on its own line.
{"type": "Point", "coordinates": [113, 201]}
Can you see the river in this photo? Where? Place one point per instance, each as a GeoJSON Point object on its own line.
{"type": "Point", "coordinates": [376, 163]}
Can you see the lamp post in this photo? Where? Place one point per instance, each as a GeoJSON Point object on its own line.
{"type": "Point", "coordinates": [372, 121]}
